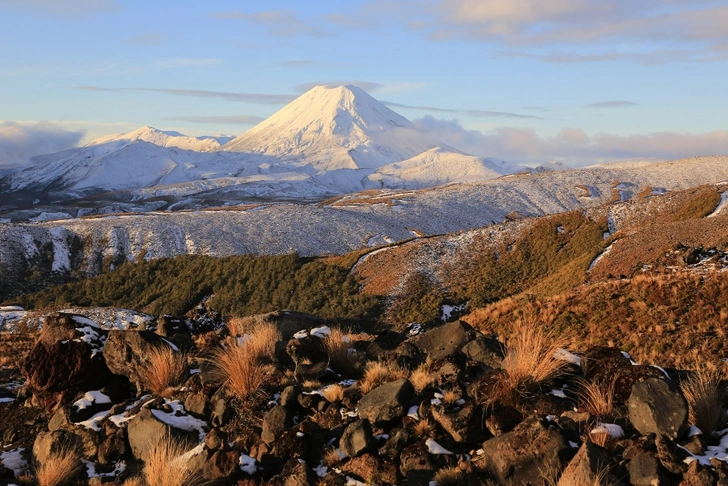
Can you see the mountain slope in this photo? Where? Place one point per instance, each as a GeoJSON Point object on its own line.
{"type": "Point", "coordinates": [328, 141]}
{"type": "Point", "coordinates": [334, 128]}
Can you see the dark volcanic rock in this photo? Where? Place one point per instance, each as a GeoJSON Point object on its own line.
{"type": "Point", "coordinates": [126, 352]}
{"type": "Point", "coordinates": [523, 454]}
{"type": "Point", "coordinates": [445, 340]}
{"type": "Point", "coordinates": [66, 360]}
{"type": "Point", "coordinates": [485, 350]}
{"type": "Point", "coordinates": [145, 430]}
{"type": "Point", "coordinates": [645, 470]}
{"type": "Point", "coordinates": [657, 406]}
{"type": "Point", "coordinates": [275, 422]}
{"type": "Point", "coordinates": [588, 467]}
{"type": "Point", "coordinates": [358, 439]}
{"type": "Point", "coordinates": [386, 402]}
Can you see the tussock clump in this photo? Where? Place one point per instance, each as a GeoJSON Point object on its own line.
{"type": "Point", "coordinates": [332, 457]}
{"type": "Point", "coordinates": [342, 358]}
{"type": "Point", "coordinates": [530, 361]}
{"type": "Point", "coordinates": [166, 464]}
{"type": "Point", "coordinates": [450, 476]}
{"type": "Point", "coordinates": [449, 397]}
{"type": "Point", "coordinates": [423, 428]}
{"type": "Point", "coordinates": [333, 393]}
{"type": "Point", "coordinates": [597, 398]}
{"type": "Point", "coordinates": [378, 373]}
{"type": "Point", "coordinates": [237, 369]}
{"type": "Point", "coordinates": [420, 377]}
{"type": "Point", "coordinates": [165, 369]}
{"type": "Point", "coordinates": [701, 392]}
{"type": "Point", "coordinates": [60, 467]}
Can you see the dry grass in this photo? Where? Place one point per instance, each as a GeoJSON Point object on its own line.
{"type": "Point", "coordinates": [597, 398]}
{"type": "Point", "coordinates": [165, 369]}
{"type": "Point", "coordinates": [342, 358]}
{"type": "Point", "coordinates": [332, 457]}
{"type": "Point", "coordinates": [237, 368]}
{"type": "Point", "coordinates": [420, 377]}
{"type": "Point", "coordinates": [60, 467]}
{"type": "Point", "coordinates": [450, 476]}
{"type": "Point", "coordinates": [530, 356]}
{"type": "Point", "coordinates": [423, 428]}
{"type": "Point", "coordinates": [378, 373]}
{"type": "Point", "coordinates": [450, 396]}
{"type": "Point", "coordinates": [134, 481]}
{"type": "Point", "coordinates": [701, 392]}
{"type": "Point", "coordinates": [163, 465]}
{"type": "Point", "coordinates": [333, 393]}
{"type": "Point", "coordinates": [602, 438]}
{"type": "Point", "coordinates": [260, 336]}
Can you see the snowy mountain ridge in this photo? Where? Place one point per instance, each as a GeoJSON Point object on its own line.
{"type": "Point", "coordinates": [329, 141]}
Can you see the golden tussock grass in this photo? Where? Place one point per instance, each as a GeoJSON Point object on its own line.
{"type": "Point", "coordinates": [423, 428]}
{"type": "Point", "coordinates": [165, 369]}
{"type": "Point", "coordinates": [530, 356]}
{"type": "Point", "coordinates": [530, 361]}
{"type": "Point", "coordinates": [333, 393]}
{"type": "Point", "coordinates": [331, 457]}
{"type": "Point", "coordinates": [420, 377]}
{"type": "Point", "coordinates": [597, 398]}
{"type": "Point", "coordinates": [450, 396]}
{"type": "Point", "coordinates": [342, 358]}
{"type": "Point", "coordinates": [378, 373]}
{"type": "Point", "coordinates": [450, 476]}
{"type": "Point", "coordinates": [260, 336]}
{"type": "Point", "coordinates": [59, 468]}
{"type": "Point", "coordinates": [236, 366]}
{"type": "Point", "coordinates": [702, 394]}
{"type": "Point", "coordinates": [165, 465]}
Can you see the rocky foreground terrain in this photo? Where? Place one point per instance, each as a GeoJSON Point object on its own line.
{"type": "Point", "coordinates": [283, 399]}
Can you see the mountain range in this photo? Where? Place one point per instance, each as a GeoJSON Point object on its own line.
{"type": "Point", "coordinates": [330, 140]}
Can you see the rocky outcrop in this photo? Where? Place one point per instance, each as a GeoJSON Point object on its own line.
{"type": "Point", "coordinates": [66, 359]}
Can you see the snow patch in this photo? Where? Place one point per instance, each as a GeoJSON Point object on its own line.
{"type": "Point", "coordinates": [599, 257]}
{"type": "Point", "coordinates": [721, 205]}
{"type": "Point", "coordinates": [435, 448]}
{"type": "Point", "coordinates": [91, 398]}
{"type": "Point", "coordinates": [564, 355]}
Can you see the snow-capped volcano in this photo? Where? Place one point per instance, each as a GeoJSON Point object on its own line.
{"type": "Point", "coordinates": [334, 128]}
{"type": "Point", "coordinates": [330, 140]}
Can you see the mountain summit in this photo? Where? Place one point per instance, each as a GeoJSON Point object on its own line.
{"type": "Point", "coordinates": [335, 128]}
{"type": "Point", "coordinates": [330, 140]}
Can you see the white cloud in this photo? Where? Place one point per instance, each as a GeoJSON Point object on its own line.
{"type": "Point", "coordinates": [19, 142]}
{"type": "Point", "coordinates": [572, 145]}
{"type": "Point", "coordinates": [279, 23]}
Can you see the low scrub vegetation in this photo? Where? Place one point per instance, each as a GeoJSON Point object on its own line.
{"type": "Point", "coordinates": [239, 285]}
{"type": "Point", "coordinates": [701, 390]}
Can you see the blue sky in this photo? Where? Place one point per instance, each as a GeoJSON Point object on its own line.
{"type": "Point", "coordinates": [522, 80]}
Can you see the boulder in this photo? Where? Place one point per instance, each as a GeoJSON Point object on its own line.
{"type": "Point", "coordinates": [522, 455]}
{"type": "Point", "coordinates": [463, 423]}
{"type": "Point", "coordinates": [386, 402]}
{"type": "Point", "coordinates": [222, 466]}
{"type": "Point", "coordinates": [445, 340]}
{"type": "Point", "coordinates": [645, 470]}
{"type": "Point", "coordinates": [657, 406]}
{"type": "Point", "coordinates": [485, 350]}
{"type": "Point", "coordinates": [358, 439]}
{"type": "Point", "coordinates": [416, 464]}
{"type": "Point", "coordinates": [275, 422]}
{"type": "Point", "coordinates": [65, 361]}
{"type": "Point", "coordinates": [606, 365]}
{"type": "Point", "coordinates": [370, 469]}
{"type": "Point", "coordinates": [590, 466]}
{"type": "Point", "coordinates": [698, 475]}
{"type": "Point", "coordinates": [79, 439]}
{"type": "Point", "coordinates": [310, 358]}
{"type": "Point", "coordinates": [126, 352]}
{"type": "Point", "coordinates": [145, 430]}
